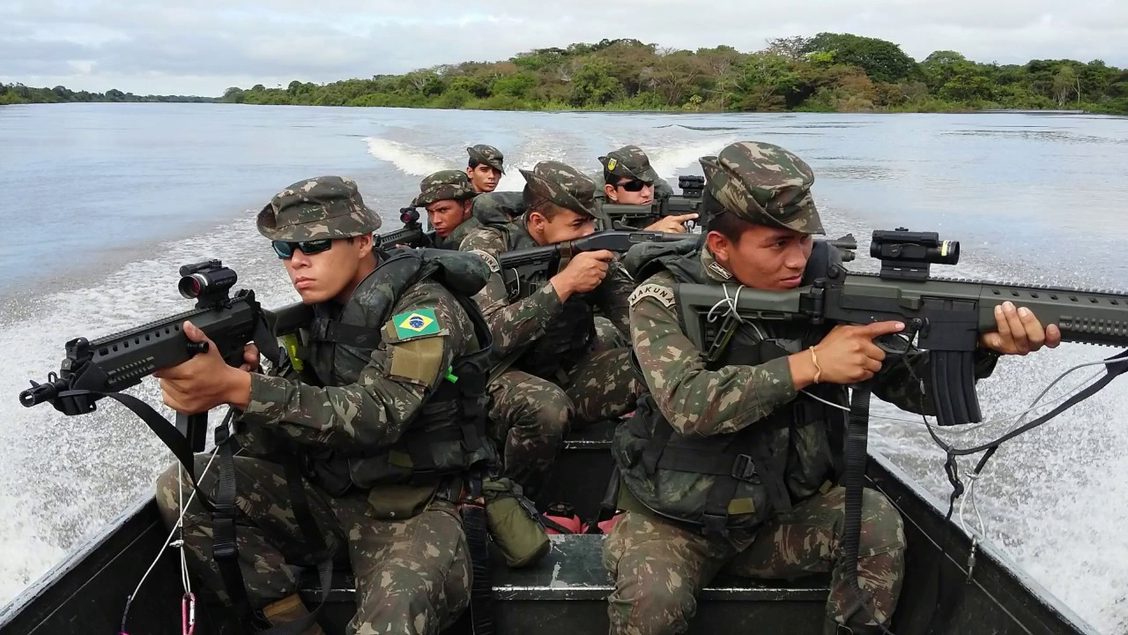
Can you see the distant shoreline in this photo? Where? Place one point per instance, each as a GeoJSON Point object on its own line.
{"type": "Point", "coordinates": [657, 111]}
{"type": "Point", "coordinates": [829, 72]}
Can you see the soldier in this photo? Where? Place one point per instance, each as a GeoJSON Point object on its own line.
{"type": "Point", "coordinates": [628, 179]}
{"type": "Point", "coordinates": [368, 412]}
{"type": "Point", "coordinates": [700, 471]}
{"type": "Point", "coordinates": [548, 375]}
{"type": "Point", "coordinates": [485, 167]}
{"type": "Point", "coordinates": [447, 195]}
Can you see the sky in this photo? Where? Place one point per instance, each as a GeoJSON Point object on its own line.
{"type": "Point", "coordinates": [206, 46]}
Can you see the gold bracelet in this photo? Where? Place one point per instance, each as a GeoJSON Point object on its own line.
{"type": "Point", "coordinates": [815, 361]}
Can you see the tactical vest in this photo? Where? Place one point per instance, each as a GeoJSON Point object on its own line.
{"type": "Point", "coordinates": [447, 435]}
{"type": "Point", "coordinates": [568, 337]}
{"type": "Point", "coordinates": [735, 480]}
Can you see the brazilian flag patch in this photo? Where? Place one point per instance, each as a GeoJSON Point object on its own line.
{"type": "Point", "coordinates": [416, 323]}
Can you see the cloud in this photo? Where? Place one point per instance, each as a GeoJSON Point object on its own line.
{"type": "Point", "coordinates": [205, 46]}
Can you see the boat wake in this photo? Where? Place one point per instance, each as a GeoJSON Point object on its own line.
{"type": "Point", "coordinates": [407, 159]}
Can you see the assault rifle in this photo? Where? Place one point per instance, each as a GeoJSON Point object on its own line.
{"type": "Point", "coordinates": [946, 316]}
{"type": "Point", "coordinates": [93, 369]}
{"type": "Point", "coordinates": [628, 217]}
{"type": "Point", "coordinates": [535, 265]}
{"type": "Point", "coordinates": [411, 234]}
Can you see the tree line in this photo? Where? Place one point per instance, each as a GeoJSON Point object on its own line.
{"type": "Point", "coordinates": [20, 94]}
{"type": "Point", "coordinates": [830, 72]}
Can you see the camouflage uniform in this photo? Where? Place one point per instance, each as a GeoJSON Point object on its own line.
{"type": "Point", "coordinates": [532, 407]}
{"type": "Point", "coordinates": [487, 155]}
{"type": "Point", "coordinates": [658, 564]}
{"type": "Point", "coordinates": [447, 185]}
{"type": "Point", "coordinates": [405, 540]}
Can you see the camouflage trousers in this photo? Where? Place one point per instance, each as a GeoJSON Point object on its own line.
{"type": "Point", "coordinates": [529, 416]}
{"type": "Point", "coordinates": [608, 336]}
{"type": "Point", "coordinates": [659, 566]}
{"type": "Point", "coordinates": [412, 575]}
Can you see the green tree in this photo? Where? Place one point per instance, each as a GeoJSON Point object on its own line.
{"type": "Point", "coordinates": [882, 60]}
{"type": "Point", "coordinates": [592, 85]}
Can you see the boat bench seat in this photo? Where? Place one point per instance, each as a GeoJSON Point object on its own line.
{"type": "Point", "coordinates": [567, 591]}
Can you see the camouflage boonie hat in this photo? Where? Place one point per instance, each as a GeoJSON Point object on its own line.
{"type": "Point", "coordinates": [321, 207]}
{"type": "Point", "coordinates": [765, 184]}
{"type": "Point", "coordinates": [629, 162]}
{"type": "Point", "coordinates": [563, 185]}
{"type": "Point", "coordinates": [442, 186]}
{"type": "Point", "coordinates": [488, 155]}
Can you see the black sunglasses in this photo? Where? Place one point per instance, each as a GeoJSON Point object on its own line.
{"type": "Point", "coordinates": [634, 185]}
{"type": "Point", "coordinates": [285, 250]}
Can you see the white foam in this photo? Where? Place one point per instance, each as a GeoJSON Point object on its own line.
{"type": "Point", "coordinates": [408, 160]}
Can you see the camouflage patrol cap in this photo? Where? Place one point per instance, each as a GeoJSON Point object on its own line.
{"type": "Point", "coordinates": [764, 184]}
{"type": "Point", "coordinates": [629, 162]}
{"type": "Point", "coordinates": [488, 155]}
{"type": "Point", "coordinates": [321, 207]}
{"type": "Point", "coordinates": [444, 185]}
{"type": "Point", "coordinates": [563, 185]}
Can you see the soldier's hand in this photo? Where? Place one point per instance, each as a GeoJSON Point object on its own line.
{"type": "Point", "coordinates": [205, 381]}
{"type": "Point", "coordinates": [1018, 332]}
{"type": "Point", "coordinates": [251, 360]}
{"type": "Point", "coordinates": [673, 224]}
{"type": "Point", "coordinates": [847, 355]}
{"type": "Point", "coordinates": [585, 271]}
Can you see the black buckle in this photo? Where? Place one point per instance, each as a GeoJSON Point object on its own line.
{"type": "Point", "coordinates": [743, 469]}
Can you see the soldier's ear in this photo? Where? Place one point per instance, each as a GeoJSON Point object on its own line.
{"type": "Point", "coordinates": [609, 191]}
{"type": "Point", "coordinates": [719, 245]}
{"type": "Point", "coordinates": [364, 244]}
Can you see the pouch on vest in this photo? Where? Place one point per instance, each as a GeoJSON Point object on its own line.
{"type": "Point", "coordinates": [514, 523]}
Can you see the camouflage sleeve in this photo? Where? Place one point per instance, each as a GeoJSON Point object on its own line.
{"type": "Point", "coordinates": [904, 382]}
{"type": "Point", "coordinates": [693, 399]}
{"type": "Point", "coordinates": [512, 325]}
{"type": "Point", "coordinates": [428, 329]}
{"type": "Point", "coordinates": [613, 293]}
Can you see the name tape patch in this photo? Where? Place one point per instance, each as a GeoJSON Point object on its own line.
{"type": "Point", "coordinates": [664, 295]}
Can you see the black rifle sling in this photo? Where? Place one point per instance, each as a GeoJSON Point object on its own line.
{"type": "Point", "coordinates": [857, 431]}
{"type": "Point", "coordinates": [164, 429]}
{"type": "Point", "coordinates": [948, 587]}
{"type": "Point", "coordinates": [473, 514]}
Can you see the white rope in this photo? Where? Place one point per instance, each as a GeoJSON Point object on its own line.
{"type": "Point", "coordinates": [176, 527]}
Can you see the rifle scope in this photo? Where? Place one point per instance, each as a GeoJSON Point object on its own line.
{"type": "Point", "coordinates": [206, 281]}
{"type": "Point", "coordinates": [409, 215]}
{"type": "Point", "coordinates": [904, 245]}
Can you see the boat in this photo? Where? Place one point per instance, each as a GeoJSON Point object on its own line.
{"type": "Point", "coordinates": [566, 592]}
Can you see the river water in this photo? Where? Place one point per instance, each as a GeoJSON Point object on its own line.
{"type": "Point", "coordinates": [102, 202]}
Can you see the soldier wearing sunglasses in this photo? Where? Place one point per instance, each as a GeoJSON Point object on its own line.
{"type": "Point", "coordinates": [628, 179]}
{"type": "Point", "coordinates": [371, 410]}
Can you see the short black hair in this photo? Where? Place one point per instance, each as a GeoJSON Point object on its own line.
{"type": "Point", "coordinates": [473, 163]}
{"type": "Point", "coordinates": [610, 178]}
{"type": "Point", "coordinates": [728, 225]}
